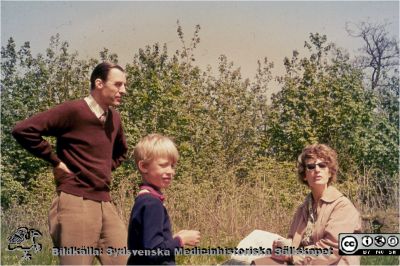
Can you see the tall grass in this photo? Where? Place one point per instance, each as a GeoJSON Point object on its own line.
{"type": "Point", "coordinates": [224, 210]}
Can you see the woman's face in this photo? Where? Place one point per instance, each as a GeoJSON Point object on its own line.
{"type": "Point", "coordinates": [317, 172]}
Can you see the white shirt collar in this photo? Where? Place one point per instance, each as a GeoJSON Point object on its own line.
{"type": "Point", "coordinates": [94, 106]}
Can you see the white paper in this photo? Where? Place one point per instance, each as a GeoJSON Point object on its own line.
{"type": "Point", "coordinates": [256, 239]}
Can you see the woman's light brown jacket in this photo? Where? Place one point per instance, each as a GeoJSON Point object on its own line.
{"type": "Point", "coordinates": [335, 215]}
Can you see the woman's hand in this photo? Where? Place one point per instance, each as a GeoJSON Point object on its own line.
{"type": "Point", "coordinates": [281, 243]}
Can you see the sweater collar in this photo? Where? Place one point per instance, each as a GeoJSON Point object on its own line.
{"type": "Point", "coordinates": [153, 191]}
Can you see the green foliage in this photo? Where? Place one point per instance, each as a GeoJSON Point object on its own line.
{"type": "Point", "coordinates": [389, 99]}
{"type": "Point", "coordinates": [214, 120]}
{"type": "Point", "coordinates": [323, 100]}
{"type": "Point", "coordinates": [237, 151]}
{"type": "Point", "coordinates": [380, 260]}
{"type": "Point", "coordinates": [30, 85]}
{"type": "Point", "coordinates": [222, 122]}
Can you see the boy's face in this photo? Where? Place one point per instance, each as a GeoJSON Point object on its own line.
{"type": "Point", "coordinates": [158, 172]}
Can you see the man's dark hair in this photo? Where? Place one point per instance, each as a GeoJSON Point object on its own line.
{"type": "Point", "coordinates": [101, 72]}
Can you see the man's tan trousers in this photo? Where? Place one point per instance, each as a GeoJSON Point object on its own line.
{"type": "Point", "coordinates": [86, 225]}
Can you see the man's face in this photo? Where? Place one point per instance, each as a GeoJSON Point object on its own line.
{"type": "Point", "coordinates": [112, 90]}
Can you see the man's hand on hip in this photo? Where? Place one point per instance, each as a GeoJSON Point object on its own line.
{"type": "Point", "coordinates": [60, 170]}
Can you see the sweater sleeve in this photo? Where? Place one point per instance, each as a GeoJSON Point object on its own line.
{"type": "Point", "coordinates": [120, 148]}
{"type": "Point", "coordinates": [153, 227]}
{"type": "Point", "coordinates": [29, 133]}
{"type": "Point", "coordinates": [344, 219]}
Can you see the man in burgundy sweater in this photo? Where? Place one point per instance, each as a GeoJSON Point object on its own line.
{"type": "Point", "coordinates": [83, 222]}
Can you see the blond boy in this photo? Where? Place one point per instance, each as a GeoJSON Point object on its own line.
{"type": "Point", "coordinates": [150, 238]}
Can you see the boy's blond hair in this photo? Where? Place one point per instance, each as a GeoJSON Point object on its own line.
{"type": "Point", "coordinates": [155, 146]}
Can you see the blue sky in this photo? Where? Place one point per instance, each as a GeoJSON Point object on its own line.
{"type": "Point", "coordinates": [244, 31]}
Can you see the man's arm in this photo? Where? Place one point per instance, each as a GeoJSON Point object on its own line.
{"type": "Point", "coordinates": [29, 133]}
{"type": "Point", "coordinates": [120, 149]}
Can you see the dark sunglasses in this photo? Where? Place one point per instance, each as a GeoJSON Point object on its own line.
{"type": "Point", "coordinates": [312, 166]}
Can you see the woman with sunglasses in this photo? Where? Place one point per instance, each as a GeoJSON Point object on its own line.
{"type": "Point", "coordinates": [324, 214]}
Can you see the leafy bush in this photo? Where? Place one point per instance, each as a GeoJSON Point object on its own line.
{"type": "Point", "coordinates": [237, 168]}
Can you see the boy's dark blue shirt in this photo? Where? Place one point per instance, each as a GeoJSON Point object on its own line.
{"type": "Point", "coordinates": [150, 229]}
